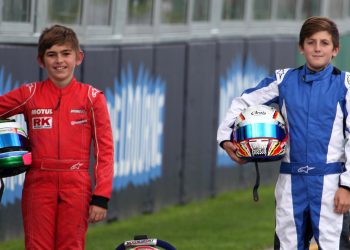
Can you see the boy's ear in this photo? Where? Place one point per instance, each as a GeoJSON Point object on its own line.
{"type": "Point", "coordinates": [40, 62]}
{"type": "Point", "coordinates": [335, 51]}
{"type": "Point", "coordinates": [301, 50]}
{"type": "Point", "coordinates": [80, 58]}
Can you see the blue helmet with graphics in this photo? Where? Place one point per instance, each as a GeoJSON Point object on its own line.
{"type": "Point", "coordinates": [15, 153]}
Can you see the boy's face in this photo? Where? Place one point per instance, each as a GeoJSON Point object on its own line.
{"type": "Point", "coordinates": [60, 62]}
{"type": "Point", "coordinates": [318, 50]}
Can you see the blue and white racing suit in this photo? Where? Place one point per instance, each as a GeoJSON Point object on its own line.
{"type": "Point", "coordinates": [315, 106]}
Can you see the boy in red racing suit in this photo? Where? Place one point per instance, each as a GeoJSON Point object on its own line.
{"type": "Point", "coordinates": [63, 117]}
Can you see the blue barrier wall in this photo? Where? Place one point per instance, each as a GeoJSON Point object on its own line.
{"type": "Point", "coordinates": [165, 102]}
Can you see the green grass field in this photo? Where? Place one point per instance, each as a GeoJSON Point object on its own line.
{"type": "Point", "coordinates": [230, 221]}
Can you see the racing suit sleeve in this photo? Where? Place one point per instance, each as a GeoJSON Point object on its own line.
{"type": "Point", "coordinates": [266, 92]}
{"type": "Point", "coordinates": [13, 102]}
{"type": "Point", "coordinates": [344, 179]}
{"type": "Point", "coordinates": [103, 152]}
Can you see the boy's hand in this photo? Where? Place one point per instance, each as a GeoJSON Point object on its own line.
{"type": "Point", "coordinates": [231, 149]}
{"type": "Point", "coordinates": [341, 201]}
{"type": "Point", "coordinates": [96, 214]}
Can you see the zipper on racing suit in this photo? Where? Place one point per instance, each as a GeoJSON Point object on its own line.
{"type": "Point", "coordinates": [58, 125]}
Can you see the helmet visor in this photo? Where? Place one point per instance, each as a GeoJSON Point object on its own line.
{"type": "Point", "coordinates": [260, 130]}
{"type": "Point", "coordinates": [10, 141]}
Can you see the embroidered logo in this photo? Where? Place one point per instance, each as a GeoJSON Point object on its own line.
{"type": "Point", "coordinates": [94, 92]}
{"type": "Point", "coordinates": [347, 80]}
{"type": "Point", "coordinates": [30, 86]}
{"type": "Point", "coordinates": [78, 122]}
{"type": "Point", "coordinates": [280, 73]}
{"type": "Point", "coordinates": [77, 111]}
{"type": "Point", "coordinates": [42, 112]}
{"type": "Point", "coordinates": [76, 166]}
{"type": "Point", "coordinates": [305, 169]}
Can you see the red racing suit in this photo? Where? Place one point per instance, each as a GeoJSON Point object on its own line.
{"type": "Point", "coordinates": [62, 123]}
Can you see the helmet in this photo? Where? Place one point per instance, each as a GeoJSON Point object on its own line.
{"type": "Point", "coordinates": [15, 155]}
{"type": "Point", "coordinates": [144, 248]}
{"type": "Point", "coordinates": [142, 242]}
{"type": "Point", "coordinates": [261, 134]}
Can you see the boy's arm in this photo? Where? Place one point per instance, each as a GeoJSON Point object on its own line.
{"type": "Point", "coordinates": [342, 196]}
{"type": "Point", "coordinates": [103, 150]}
{"type": "Point", "coordinates": [13, 102]}
{"type": "Point", "coordinates": [344, 180]}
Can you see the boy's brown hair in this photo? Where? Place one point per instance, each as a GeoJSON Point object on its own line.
{"type": "Point", "coordinates": [315, 24]}
{"type": "Point", "coordinates": [57, 35]}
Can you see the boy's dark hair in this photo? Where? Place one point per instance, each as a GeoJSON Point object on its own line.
{"type": "Point", "coordinates": [315, 24]}
{"type": "Point", "coordinates": [56, 35]}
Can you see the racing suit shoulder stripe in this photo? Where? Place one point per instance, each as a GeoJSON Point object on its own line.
{"type": "Point", "coordinates": [96, 142]}
{"type": "Point", "coordinates": [28, 90]}
{"type": "Point", "coordinates": [92, 95]}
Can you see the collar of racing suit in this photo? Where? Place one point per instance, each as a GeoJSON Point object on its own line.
{"type": "Point", "coordinates": [61, 91]}
{"type": "Point", "coordinates": [309, 76]}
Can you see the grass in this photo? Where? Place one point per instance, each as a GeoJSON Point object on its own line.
{"type": "Point", "coordinates": [230, 220]}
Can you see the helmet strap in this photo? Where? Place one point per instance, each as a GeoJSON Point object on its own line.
{"type": "Point", "coordinates": [257, 182]}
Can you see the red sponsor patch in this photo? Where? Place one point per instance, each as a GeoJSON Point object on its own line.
{"type": "Point", "coordinates": [42, 122]}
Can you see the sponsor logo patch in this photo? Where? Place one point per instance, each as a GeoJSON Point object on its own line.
{"type": "Point", "coordinates": [78, 122]}
{"type": "Point", "coordinates": [77, 111]}
{"type": "Point", "coordinates": [149, 242]}
{"type": "Point", "coordinates": [42, 122]}
{"type": "Point", "coordinates": [41, 111]}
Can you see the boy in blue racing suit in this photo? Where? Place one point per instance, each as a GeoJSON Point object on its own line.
{"type": "Point", "coordinates": [313, 188]}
